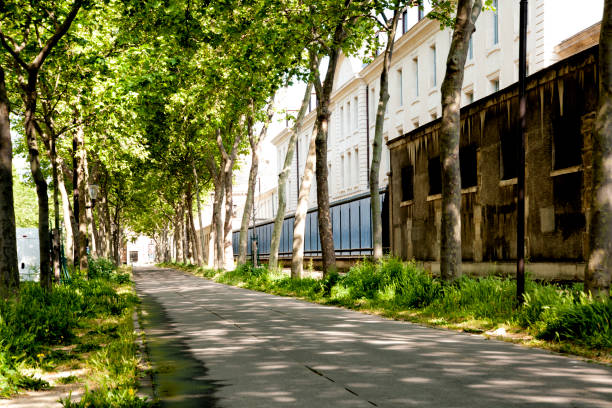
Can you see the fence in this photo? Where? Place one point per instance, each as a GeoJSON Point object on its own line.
{"type": "Point", "coordinates": [351, 227]}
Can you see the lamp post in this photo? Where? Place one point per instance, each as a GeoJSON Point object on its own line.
{"type": "Point", "coordinates": [93, 193]}
{"type": "Point", "coordinates": [520, 219]}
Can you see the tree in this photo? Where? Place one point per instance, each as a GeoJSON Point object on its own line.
{"type": "Point", "coordinates": [282, 181]}
{"type": "Point", "coordinates": [598, 272]}
{"type": "Point", "coordinates": [390, 27]}
{"type": "Point", "coordinates": [9, 268]}
{"type": "Point", "coordinates": [345, 32]}
{"type": "Point", "coordinates": [254, 142]}
{"type": "Point", "coordinates": [450, 249]}
{"type": "Point", "coordinates": [28, 73]}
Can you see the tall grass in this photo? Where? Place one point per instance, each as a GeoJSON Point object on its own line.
{"type": "Point", "coordinates": [550, 312]}
{"type": "Point", "coordinates": [35, 322]}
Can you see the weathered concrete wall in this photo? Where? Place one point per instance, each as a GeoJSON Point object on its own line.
{"type": "Point", "coordinates": [561, 111]}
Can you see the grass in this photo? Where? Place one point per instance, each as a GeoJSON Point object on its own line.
{"type": "Point", "coordinates": [85, 325]}
{"type": "Point", "coordinates": [559, 318]}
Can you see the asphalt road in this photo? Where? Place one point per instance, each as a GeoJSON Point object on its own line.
{"type": "Point", "coordinates": [259, 350]}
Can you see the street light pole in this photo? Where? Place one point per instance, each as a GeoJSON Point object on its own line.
{"type": "Point", "coordinates": [520, 227]}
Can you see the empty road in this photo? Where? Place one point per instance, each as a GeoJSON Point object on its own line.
{"type": "Point", "coordinates": [220, 346]}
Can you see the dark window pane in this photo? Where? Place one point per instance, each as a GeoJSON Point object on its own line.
{"type": "Point", "coordinates": [407, 183]}
{"type": "Point", "coordinates": [435, 176]}
{"type": "Point", "coordinates": [467, 162]}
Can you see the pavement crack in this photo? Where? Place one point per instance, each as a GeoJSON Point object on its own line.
{"type": "Point", "coordinates": [317, 372]}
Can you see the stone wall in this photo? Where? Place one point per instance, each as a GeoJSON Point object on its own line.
{"type": "Point", "coordinates": [561, 104]}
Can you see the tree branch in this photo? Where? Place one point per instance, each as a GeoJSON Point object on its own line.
{"type": "Point", "coordinates": [44, 52]}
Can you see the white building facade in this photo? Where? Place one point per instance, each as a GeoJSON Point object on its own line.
{"type": "Point", "coordinates": [415, 77]}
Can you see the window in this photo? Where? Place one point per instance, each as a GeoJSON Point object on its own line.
{"type": "Point", "coordinates": [342, 172]}
{"type": "Point", "coordinates": [356, 114]}
{"type": "Point", "coordinates": [509, 154]}
{"type": "Point", "coordinates": [495, 23]}
{"type": "Point", "coordinates": [332, 188]}
{"type": "Point", "coordinates": [435, 176]}
{"type": "Point", "coordinates": [469, 97]}
{"type": "Point", "coordinates": [356, 168]}
{"type": "Point", "coordinates": [407, 183]}
{"type": "Point", "coordinates": [415, 64]}
{"type": "Point", "coordinates": [348, 118]}
{"type": "Point", "coordinates": [421, 13]}
{"type": "Point", "coordinates": [471, 48]}
{"type": "Point", "coordinates": [347, 172]}
{"type": "Point", "coordinates": [373, 108]}
{"type": "Point", "coordinates": [495, 85]}
{"type": "Point", "coordinates": [567, 140]}
{"type": "Point", "coordinates": [404, 21]}
{"type": "Point", "coordinates": [468, 166]}
{"type": "Point", "coordinates": [434, 79]}
{"type": "Point", "coordinates": [400, 84]}
{"type": "Point", "coordinates": [341, 122]}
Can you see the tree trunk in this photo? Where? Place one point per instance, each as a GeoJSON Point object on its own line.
{"type": "Point", "coordinates": [228, 165]}
{"type": "Point", "coordinates": [322, 127]}
{"type": "Point", "coordinates": [91, 226]}
{"type": "Point", "coordinates": [598, 275]}
{"type": "Point", "coordinates": [81, 187]}
{"type": "Point", "coordinates": [250, 198]}
{"type": "Point", "coordinates": [9, 268]}
{"type": "Point", "coordinates": [450, 247]}
{"type": "Point", "coordinates": [197, 245]}
{"type": "Point", "coordinates": [177, 239]}
{"type": "Point", "coordinates": [200, 232]}
{"type": "Point", "coordinates": [377, 143]}
{"type": "Point", "coordinates": [56, 229]}
{"type": "Point", "coordinates": [284, 175]}
{"type": "Point", "coordinates": [116, 237]}
{"type": "Point", "coordinates": [218, 222]}
{"type": "Point", "coordinates": [228, 251]}
{"type": "Point", "coordinates": [67, 216]}
{"type": "Point", "coordinates": [106, 220]}
{"type": "Point", "coordinates": [299, 225]}
{"type": "Point", "coordinates": [46, 275]}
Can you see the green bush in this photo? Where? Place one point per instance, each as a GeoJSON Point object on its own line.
{"type": "Point", "coordinates": [100, 268]}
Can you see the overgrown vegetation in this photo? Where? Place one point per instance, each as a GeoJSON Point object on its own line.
{"type": "Point", "coordinates": [559, 317]}
{"type": "Point", "coordinates": [86, 323]}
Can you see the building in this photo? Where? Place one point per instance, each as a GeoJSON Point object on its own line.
{"type": "Point", "coordinates": [416, 75]}
{"type": "Point", "coordinates": [562, 101]}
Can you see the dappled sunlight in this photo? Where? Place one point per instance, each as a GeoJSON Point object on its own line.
{"type": "Point", "coordinates": [276, 351]}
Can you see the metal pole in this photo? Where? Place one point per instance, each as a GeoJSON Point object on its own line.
{"type": "Point", "coordinates": [520, 227]}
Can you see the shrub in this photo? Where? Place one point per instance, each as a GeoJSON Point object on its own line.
{"type": "Point", "coordinates": [100, 268]}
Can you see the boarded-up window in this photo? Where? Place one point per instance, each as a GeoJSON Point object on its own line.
{"type": "Point", "coordinates": [435, 176]}
{"type": "Point", "coordinates": [407, 183]}
{"type": "Point", "coordinates": [467, 161]}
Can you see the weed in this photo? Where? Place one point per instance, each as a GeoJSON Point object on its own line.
{"type": "Point", "coordinates": [70, 379]}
